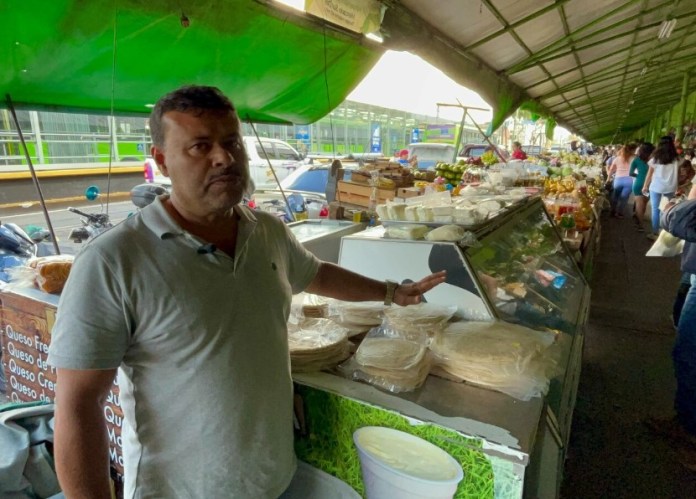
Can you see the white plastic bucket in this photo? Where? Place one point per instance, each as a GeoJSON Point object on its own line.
{"type": "Point", "coordinates": [397, 465]}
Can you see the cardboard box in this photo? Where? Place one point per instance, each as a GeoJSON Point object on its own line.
{"type": "Point", "coordinates": [408, 192]}
{"type": "Point", "coordinates": [359, 194]}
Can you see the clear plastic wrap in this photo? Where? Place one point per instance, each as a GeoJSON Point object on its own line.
{"type": "Point", "coordinates": [356, 317]}
{"type": "Point", "coordinates": [497, 355]}
{"type": "Point", "coordinates": [418, 322]}
{"type": "Point", "coordinates": [317, 344]}
{"type": "Point", "coordinates": [413, 232]}
{"type": "Point", "coordinates": [48, 273]}
{"type": "Point", "coordinates": [308, 305]}
{"type": "Point", "coordinates": [389, 361]}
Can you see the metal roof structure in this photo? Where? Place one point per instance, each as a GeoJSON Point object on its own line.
{"type": "Point", "coordinates": [602, 68]}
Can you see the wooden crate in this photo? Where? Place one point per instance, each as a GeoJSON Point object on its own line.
{"type": "Point", "coordinates": [359, 194]}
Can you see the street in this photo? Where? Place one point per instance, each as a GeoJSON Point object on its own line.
{"type": "Point", "coordinates": [63, 220]}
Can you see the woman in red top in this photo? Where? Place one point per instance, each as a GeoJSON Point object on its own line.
{"type": "Point", "coordinates": [517, 152]}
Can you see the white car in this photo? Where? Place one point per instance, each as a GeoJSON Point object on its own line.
{"type": "Point", "coordinates": [284, 158]}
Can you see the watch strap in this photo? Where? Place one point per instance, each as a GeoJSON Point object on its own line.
{"type": "Point", "coordinates": [391, 289]}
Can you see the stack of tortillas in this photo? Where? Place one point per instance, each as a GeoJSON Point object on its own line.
{"type": "Point", "coordinates": [395, 364]}
{"type": "Point", "coordinates": [505, 357]}
{"type": "Point", "coordinates": [358, 317]}
{"type": "Point", "coordinates": [310, 305]}
{"type": "Point", "coordinates": [418, 322]}
{"type": "Point", "coordinates": [316, 344]}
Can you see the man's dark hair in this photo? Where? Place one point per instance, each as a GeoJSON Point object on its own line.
{"type": "Point", "coordinates": [194, 99]}
{"type": "Point", "coordinates": [665, 152]}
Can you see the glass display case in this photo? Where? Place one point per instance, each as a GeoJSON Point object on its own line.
{"type": "Point", "coordinates": [532, 277]}
{"type": "Point", "coordinates": [520, 271]}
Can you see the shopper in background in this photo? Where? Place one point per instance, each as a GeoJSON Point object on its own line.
{"type": "Point", "coordinates": [619, 169]}
{"type": "Point", "coordinates": [517, 152]}
{"type": "Point", "coordinates": [190, 299]}
{"type": "Point", "coordinates": [685, 176]}
{"type": "Point", "coordinates": [661, 180]}
{"type": "Point", "coordinates": [680, 220]}
{"type": "Point", "coordinates": [639, 170]}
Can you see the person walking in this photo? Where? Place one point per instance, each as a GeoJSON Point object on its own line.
{"type": "Point", "coordinates": [619, 169]}
{"type": "Point", "coordinates": [639, 170]}
{"type": "Point", "coordinates": [661, 180]}
{"type": "Point", "coordinates": [189, 298]}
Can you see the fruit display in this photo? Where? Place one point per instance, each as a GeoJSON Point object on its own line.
{"type": "Point", "coordinates": [489, 158]}
{"type": "Point", "coordinates": [450, 173]}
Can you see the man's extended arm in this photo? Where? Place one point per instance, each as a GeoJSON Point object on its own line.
{"type": "Point", "coordinates": [337, 282]}
{"type": "Point", "coordinates": [81, 440]}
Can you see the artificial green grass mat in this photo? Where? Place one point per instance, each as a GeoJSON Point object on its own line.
{"type": "Point", "coordinates": [332, 419]}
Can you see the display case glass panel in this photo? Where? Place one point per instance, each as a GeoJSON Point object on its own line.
{"type": "Point", "coordinates": [530, 276]}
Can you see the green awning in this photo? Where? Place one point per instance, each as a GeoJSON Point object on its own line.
{"type": "Point", "coordinates": [99, 55]}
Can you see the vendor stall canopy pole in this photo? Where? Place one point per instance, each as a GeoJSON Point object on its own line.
{"type": "Point", "coordinates": [270, 165]}
{"type": "Point", "coordinates": [27, 155]}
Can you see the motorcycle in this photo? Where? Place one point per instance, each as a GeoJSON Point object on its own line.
{"type": "Point", "coordinates": [93, 224]}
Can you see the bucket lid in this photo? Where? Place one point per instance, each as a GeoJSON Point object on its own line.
{"type": "Point", "coordinates": [407, 454]}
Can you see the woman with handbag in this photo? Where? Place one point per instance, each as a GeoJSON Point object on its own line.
{"type": "Point", "coordinates": [661, 180]}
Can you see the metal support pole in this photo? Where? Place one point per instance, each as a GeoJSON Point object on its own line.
{"type": "Point", "coordinates": [684, 101]}
{"type": "Point", "coordinates": [10, 106]}
{"type": "Point", "coordinates": [270, 165]}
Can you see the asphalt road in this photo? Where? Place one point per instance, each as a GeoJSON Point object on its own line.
{"type": "Point", "coordinates": [64, 221]}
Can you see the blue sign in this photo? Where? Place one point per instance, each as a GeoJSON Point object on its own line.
{"type": "Point", "coordinates": [376, 143]}
{"type": "Point", "coordinates": [415, 135]}
{"type": "Point", "coordinates": [141, 147]}
{"type": "Point", "coordinates": [302, 133]}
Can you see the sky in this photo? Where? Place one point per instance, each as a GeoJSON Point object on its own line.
{"type": "Point", "coordinates": [401, 80]}
{"type": "Point", "coordinates": [404, 81]}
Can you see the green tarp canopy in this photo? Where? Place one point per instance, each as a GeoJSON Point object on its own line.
{"type": "Point", "coordinates": [122, 55]}
{"type": "Point", "coordinates": [601, 68]}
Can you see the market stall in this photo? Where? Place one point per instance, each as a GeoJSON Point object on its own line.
{"type": "Point", "coordinates": [508, 446]}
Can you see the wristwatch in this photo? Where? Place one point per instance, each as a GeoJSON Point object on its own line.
{"type": "Point", "coordinates": [391, 289]}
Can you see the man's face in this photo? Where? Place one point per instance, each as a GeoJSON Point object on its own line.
{"type": "Point", "coordinates": [203, 155]}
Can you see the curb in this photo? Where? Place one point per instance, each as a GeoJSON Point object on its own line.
{"type": "Point", "coordinates": [29, 204]}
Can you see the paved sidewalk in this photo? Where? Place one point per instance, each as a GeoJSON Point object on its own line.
{"type": "Point", "coordinates": [626, 376]}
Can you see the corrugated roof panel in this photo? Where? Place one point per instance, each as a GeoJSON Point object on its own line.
{"type": "Point", "coordinates": [501, 52]}
{"type": "Point", "coordinates": [568, 78]}
{"type": "Point", "coordinates": [540, 32]}
{"type": "Point", "coordinates": [553, 101]}
{"type": "Point", "coordinates": [562, 64]}
{"type": "Point", "coordinates": [542, 89]}
{"type": "Point", "coordinates": [514, 10]}
{"type": "Point", "coordinates": [571, 94]}
{"type": "Point", "coordinates": [529, 76]}
{"type": "Point", "coordinates": [580, 13]}
{"type": "Point", "coordinates": [618, 61]}
{"type": "Point", "coordinates": [465, 21]}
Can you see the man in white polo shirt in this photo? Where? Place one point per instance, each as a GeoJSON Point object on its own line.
{"type": "Point", "coordinates": [190, 298]}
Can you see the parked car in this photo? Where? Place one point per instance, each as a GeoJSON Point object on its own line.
{"type": "Point", "coordinates": [428, 154]}
{"type": "Point", "coordinates": [284, 158]}
{"type": "Point", "coordinates": [476, 150]}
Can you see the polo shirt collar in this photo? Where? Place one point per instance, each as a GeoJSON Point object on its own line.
{"type": "Point", "coordinates": [159, 221]}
